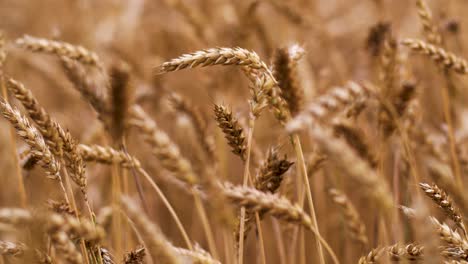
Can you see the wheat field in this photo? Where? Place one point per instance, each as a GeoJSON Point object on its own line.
{"type": "Point", "coordinates": [233, 131]}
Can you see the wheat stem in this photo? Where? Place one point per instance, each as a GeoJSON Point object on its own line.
{"type": "Point", "coordinates": [205, 223]}
{"type": "Point", "coordinates": [303, 173]}
{"type": "Point", "coordinates": [244, 183]}
{"type": "Point", "coordinates": [168, 206]}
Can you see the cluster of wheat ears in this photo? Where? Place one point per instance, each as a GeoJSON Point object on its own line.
{"type": "Point", "coordinates": [362, 171]}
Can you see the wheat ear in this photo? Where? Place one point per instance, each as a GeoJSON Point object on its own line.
{"type": "Point", "coordinates": [330, 103]}
{"type": "Point", "coordinates": [59, 48]}
{"type": "Point", "coordinates": [353, 221]}
{"type": "Point", "coordinates": [430, 30]}
{"type": "Point", "coordinates": [285, 72]}
{"type": "Point", "coordinates": [275, 205]}
{"type": "Point", "coordinates": [440, 56]}
{"type": "Point", "coordinates": [441, 198]}
{"type": "Point", "coordinates": [11, 249]}
{"type": "Point", "coordinates": [233, 131]}
{"type": "Point", "coordinates": [32, 137]}
{"type": "Point", "coordinates": [214, 56]}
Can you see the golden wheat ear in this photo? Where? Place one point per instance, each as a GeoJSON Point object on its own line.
{"type": "Point", "coordinates": [439, 55]}
{"type": "Point", "coordinates": [59, 48]}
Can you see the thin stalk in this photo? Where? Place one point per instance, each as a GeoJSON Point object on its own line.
{"type": "Point", "coordinates": [206, 225]}
{"type": "Point", "coordinates": [279, 241]}
{"type": "Point", "coordinates": [21, 189]}
{"type": "Point", "coordinates": [260, 236]}
{"type": "Point", "coordinates": [227, 248]}
{"type": "Point", "coordinates": [137, 234]}
{"type": "Point", "coordinates": [168, 206]}
{"type": "Point", "coordinates": [448, 119]}
{"type": "Point", "coordinates": [117, 222]}
{"type": "Point", "coordinates": [84, 251]}
{"type": "Point", "coordinates": [244, 183]}
{"type": "Point", "coordinates": [302, 248]}
{"type": "Point", "coordinates": [303, 172]}
{"type": "Point", "coordinates": [259, 230]}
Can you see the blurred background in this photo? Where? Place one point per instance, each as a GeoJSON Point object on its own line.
{"type": "Point", "coordinates": [341, 40]}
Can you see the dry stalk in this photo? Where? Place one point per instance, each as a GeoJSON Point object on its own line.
{"type": "Point", "coordinates": [3, 54]}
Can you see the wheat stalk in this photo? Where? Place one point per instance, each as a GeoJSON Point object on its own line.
{"type": "Point", "coordinates": [3, 54]}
